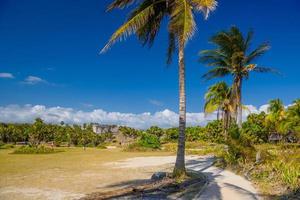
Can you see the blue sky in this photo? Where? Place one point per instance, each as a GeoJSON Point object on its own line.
{"type": "Point", "coordinates": [51, 49]}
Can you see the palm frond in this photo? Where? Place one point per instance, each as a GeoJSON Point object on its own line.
{"type": "Point", "coordinates": [148, 32]}
{"type": "Point", "coordinates": [214, 58]}
{"type": "Point", "coordinates": [171, 47]}
{"type": "Point", "coordinates": [216, 72]}
{"type": "Point", "coordinates": [205, 6]}
{"type": "Point", "coordinates": [119, 4]}
{"type": "Point", "coordinates": [248, 40]}
{"type": "Point", "coordinates": [136, 21]}
{"type": "Point", "coordinates": [210, 107]}
{"type": "Point", "coordinates": [259, 51]}
{"type": "Point", "coordinates": [182, 23]}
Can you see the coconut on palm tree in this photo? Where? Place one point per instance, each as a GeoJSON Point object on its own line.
{"type": "Point", "coordinates": [144, 21]}
{"type": "Point", "coordinates": [219, 98]}
{"type": "Point", "coordinates": [233, 56]}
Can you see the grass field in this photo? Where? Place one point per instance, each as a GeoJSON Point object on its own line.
{"type": "Point", "coordinates": [68, 174]}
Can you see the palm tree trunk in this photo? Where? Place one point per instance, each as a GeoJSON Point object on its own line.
{"type": "Point", "coordinates": [226, 124]}
{"type": "Point", "coordinates": [179, 168]}
{"type": "Point", "coordinates": [218, 113]}
{"type": "Point", "coordinates": [238, 90]}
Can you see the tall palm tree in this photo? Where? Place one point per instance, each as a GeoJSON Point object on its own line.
{"type": "Point", "coordinates": [219, 97]}
{"type": "Point", "coordinates": [144, 21]}
{"type": "Point", "coordinates": [232, 56]}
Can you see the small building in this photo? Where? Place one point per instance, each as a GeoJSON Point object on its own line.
{"type": "Point", "coordinates": [275, 137]}
{"type": "Point", "coordinates": [100, 128]}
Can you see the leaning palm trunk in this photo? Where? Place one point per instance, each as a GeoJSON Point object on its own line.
{"type": "Point", "coordinates": [238, 96]}
{"type": "Point", "coordinates": [180, 160]}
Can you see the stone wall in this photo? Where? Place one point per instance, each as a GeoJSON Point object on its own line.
{"type": "Point", "coordinates": [99, 129]}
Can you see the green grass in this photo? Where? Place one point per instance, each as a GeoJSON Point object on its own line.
{"type": "Point", "coordinates": [137, 147]}
{"type": "Point", "coordinates": [280, 168]}
{"type": "Point", "coordinates": [7, 146]}
{"type": "Point", "coordinates": [36, 150]}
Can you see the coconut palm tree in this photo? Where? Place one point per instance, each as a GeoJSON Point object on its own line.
{"type": "Point", "coordinates": [291, 123]}
{"type": "Point", "coordinates": [276, 115]}
{"type": "Point", "coordinates": [232, 56]}
{"type": "Point", "coordinates": [144, 21]}
{"type": "Point", "coordinates": [219, 97]}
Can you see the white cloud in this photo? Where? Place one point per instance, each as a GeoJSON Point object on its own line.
{"type": "Point", "coordinates": [32, 80]}
{"type": "Point", "coordinates": [6, 75]}
{"type": "Point", "coordinates": [165, 118]}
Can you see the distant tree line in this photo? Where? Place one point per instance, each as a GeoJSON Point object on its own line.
{"type": "Point", "coordinates": [281, 121]}
{"type": "Point", "coordinates": [62, 134]}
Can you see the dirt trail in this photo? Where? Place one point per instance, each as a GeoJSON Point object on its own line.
{"type": "Point", "coordinates": [222, 184]}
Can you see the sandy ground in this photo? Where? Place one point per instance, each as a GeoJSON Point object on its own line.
{"type": "Point", "coordinates": [70, 174]}
{"type": "Point", "coordinates": [150, 161]}
{"type": "Point", "coordinates": [223, 184]}
{"type": "Point", "coordinates": [73, 174]}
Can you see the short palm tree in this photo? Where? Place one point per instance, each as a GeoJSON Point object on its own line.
{"type": "Point", "coordinates": [276, 114]}
{"type": "Point", "coordinates": [276, 107]}
{"type": "Point", "coordinates": [144, 21]}
{"type": "Point", "coordinates": [291, 122]}
{"type": "Point", "coordinates": [232, 56]}
{"type": "Point", "coordinates": [219, 97]}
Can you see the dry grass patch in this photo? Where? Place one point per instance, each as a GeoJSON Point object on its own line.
{"type": "Point", "coordinates": [72, 172]}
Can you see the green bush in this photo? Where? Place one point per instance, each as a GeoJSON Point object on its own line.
{"type": "Point", "coordinates": [35, 150]}
{"type": "Point", "coordinates": [237, 153]}
{"type": "Point", "coordinates": [149, 141]}
{"type": "Point", "coordinates": [254, 130]}
{"type": "Point", "coordinates": [7, 146]}
{"type": "Point", "coordinates": [234, 131]}
{"type": "Point", "coordinates": [155, 130]}
{"type": "Point", "coordinates": [129, 132]}
{"type": "Point", "coordinates": [171, 135]}
{"type": "Point", "coordinates": [195, 133]}
{"type": "Point", "coordinates": [214, 131]}
{"type": "Point", "coordinates": [137, 147]}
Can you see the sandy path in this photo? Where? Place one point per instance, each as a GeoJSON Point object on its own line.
{"type": "Point", "coordinates": [223, 184]}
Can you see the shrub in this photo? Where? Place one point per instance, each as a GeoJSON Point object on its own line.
{"type": "Point", "coordinates": [195, 133]}
{"type": "Point", "coordinates": [254, 130]}
{"type": "Point", "coordinates": [7, 146]}
{"type": "Point", "coordinates": [155, 130]}
{"type": "Point", "coordinates": [129, 132]}
{"type": "Point", "coordinates": [137, 147]}
{"type": "Point", "coordinates": [237, 153]}
{"type": "Point", "coordinates": [171, 135]}
{"type": "Point", "coordinates": [234, 131]}
{"type": "Point", "coordinates": [35, 150]}
{"type": "Point", "coordinates": [214, 131]}
{"type": "Point", "coordinates": [149, 141]}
